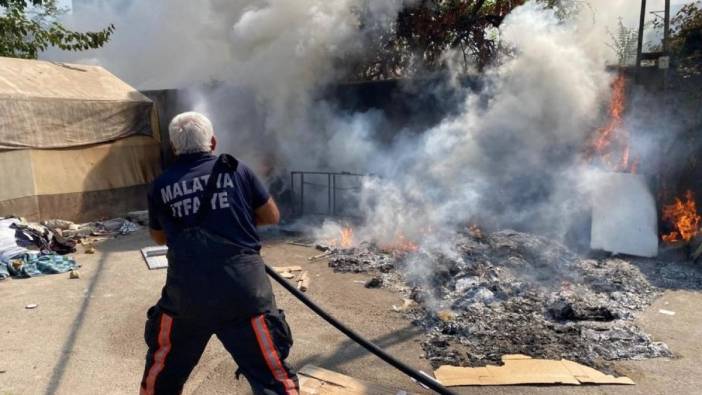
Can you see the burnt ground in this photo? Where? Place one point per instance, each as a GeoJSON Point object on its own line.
{"type": "Point", "coordinates": [86, 334]}
{"type": "Point", "coordinates": [517, 293]}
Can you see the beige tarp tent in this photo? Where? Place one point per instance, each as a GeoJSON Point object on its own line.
{"type": "Point", "coordinates": [75, 142]}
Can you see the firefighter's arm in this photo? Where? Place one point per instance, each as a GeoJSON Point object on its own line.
{"type": "Point", "coordinates": [267, 213]}
{"type": "Point", "coordinates": [158, 236]}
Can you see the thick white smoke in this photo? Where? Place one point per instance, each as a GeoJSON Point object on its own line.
{"type": "Point", "coordinates": [276, 54]}
{"type": "Point", "coordinates": [511, 156]}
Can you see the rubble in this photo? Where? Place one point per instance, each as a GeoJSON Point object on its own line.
{"type": "Point", "coordinates": [406, 305]}
{"type": "Point", "coordinates": [364, 258]}
{"type": "Point", "coordinates": [516, 293]}
{"type": "Point", "coordinates": [303, 283]}
{"type": "Point", "coordinates": [375, 282]}
{"type": "Point", "coordinates": [88, 247]}
{"type": "Point", "coordinates": [318, 257]}
{"type": "Point", "coordinates": [287, 271]}
{"type": "Point", "coordinates": [283, 269]}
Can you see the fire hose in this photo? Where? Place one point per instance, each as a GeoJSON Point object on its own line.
{"type": "Point", "coordinates": [379, 352]}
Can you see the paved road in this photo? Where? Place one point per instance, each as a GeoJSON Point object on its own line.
{"type": "Point", "coordinates": [86, 335]}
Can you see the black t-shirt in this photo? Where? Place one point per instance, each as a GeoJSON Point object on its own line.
{"type": "Point", "coordinates": [178, 193]}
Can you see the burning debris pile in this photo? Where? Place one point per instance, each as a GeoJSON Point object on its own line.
{"type": "Point", "coordinates": [514, 293]}
{"type": "Point", "coordinates": [683, 217]}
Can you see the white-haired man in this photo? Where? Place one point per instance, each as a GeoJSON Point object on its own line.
{"type": "Point", "coordinates": [206, 208]}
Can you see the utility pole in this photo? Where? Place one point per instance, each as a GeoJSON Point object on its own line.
{"type": "Point", "coordinates": [666, 29]}
{"type": "Point", "coordinates": [639, 44]}
{"type": "Point", "coordinates": [666, 46]}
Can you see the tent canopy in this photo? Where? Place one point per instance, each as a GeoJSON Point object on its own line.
{"type": "Point", "coordinates": [56, 105]}
{"type": "Point", "coordinates": [76, 142]}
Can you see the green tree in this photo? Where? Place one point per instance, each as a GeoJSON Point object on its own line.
{"type": "Point", "coordinates": [28, 27]}
{"type": "Point", "coordinates": [424, 32]}
{"type": "Point", "coordinates": [686, 38]}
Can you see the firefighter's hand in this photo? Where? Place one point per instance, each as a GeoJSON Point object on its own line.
{"type": "Point", "coordinates": [267, 214]}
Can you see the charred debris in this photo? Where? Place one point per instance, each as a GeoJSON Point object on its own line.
{"type": "Point", "coordinates": [516, 293]}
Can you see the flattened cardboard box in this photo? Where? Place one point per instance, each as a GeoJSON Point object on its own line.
{"type": "Point", "coordinates": [521, 369]}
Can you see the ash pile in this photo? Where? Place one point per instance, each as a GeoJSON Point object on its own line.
{"type": "Point", "coordinates": [514, 293]}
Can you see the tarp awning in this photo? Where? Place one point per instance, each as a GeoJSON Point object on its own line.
{"type": "Point", "coordinates": [56, 105]}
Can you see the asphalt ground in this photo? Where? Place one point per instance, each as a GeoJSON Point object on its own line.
{"type": "Point", "coordinates": [86, 335]}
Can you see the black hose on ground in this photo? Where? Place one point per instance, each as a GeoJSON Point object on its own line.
{"type": "Point", "coordinates": [422, 378]}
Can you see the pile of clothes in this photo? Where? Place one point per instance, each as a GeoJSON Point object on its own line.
{"type": "Point", "coordinates": [31, 249]}
{"type": "Point", "coordinates": [92, 230]}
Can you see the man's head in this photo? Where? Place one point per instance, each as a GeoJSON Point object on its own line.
{"type": "Point", "coordinates": [191, 132]}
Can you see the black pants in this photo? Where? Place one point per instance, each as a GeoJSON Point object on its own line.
{"type": "Point", "coordinates": [258, 345]}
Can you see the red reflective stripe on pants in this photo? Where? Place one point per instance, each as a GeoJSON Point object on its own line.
{"type": "Point", "coordinates": [270, 354]}
{"type": "Point", "coordinates": [164, 347]}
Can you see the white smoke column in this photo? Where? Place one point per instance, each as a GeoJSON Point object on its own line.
{"type": "Point", "coordinates": [279, 53]}
{"type": "Point", "coordinates": [286, 51]}
{"type": "Point", "coordinates": [511, 156]}
{"type": "Point", "coordinates": [158, 44]}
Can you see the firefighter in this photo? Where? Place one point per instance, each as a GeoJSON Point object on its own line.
{"type": "Point", "coordinates": [206, 209]}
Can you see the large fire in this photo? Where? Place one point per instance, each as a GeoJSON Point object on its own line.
{"type": "Point", "coordinates": [610, 146]}
{"type": "Point", "coordinates": [684, 218]}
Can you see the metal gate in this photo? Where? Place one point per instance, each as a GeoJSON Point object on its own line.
{"type": "Point", "coordinates": [339, 187]}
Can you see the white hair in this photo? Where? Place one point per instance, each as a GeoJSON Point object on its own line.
{"type": "Point", "coordinates": [191, 132]}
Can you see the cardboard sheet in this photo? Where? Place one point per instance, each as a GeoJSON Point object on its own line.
{"type": "Point", "coordinates": [521, 369]}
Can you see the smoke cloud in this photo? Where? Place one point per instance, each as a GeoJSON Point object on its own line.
{"type": "Point", "coordinates": [269, 59]}
{"type": "Point", "coordinates": [511, 156]}
{"type": "Point", "coordinates": [508, 157]}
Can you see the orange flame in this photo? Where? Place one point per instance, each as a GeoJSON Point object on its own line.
{"type": "Point", "coordinates": [684, 217]}
{"type": "Point", "coordinates": [400, 244]}
{"type": "Point", "coordinates": [344, 240]}
{"type": "Point", "coordinates": [611, 142]}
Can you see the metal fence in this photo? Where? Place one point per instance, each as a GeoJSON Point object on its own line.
{"type": "Point", "coordinates": [341, 190]}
